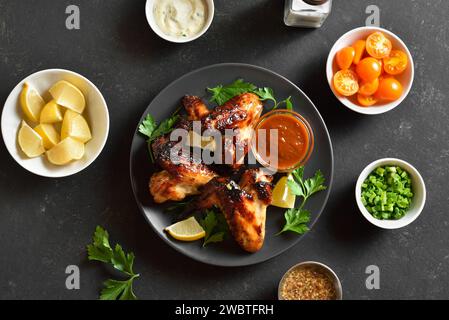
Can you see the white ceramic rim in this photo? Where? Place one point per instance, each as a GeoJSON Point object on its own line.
{"type": "Point", "coordinates": [389, 224]}
{"type": "Point", "coordinates": [152, 22]}
{"type": "Point", "coordinates": [97, 152]}
{"type": "Point", "coordinates": [336, 280]}
{"type": "Point", "coordinates": [375, 109]}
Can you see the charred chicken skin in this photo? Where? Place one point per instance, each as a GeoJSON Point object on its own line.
{"type": "Point", "coordinates": [244, 205]}
{"type": "Point", "coordinates": [195, 108]}
{"type": "Point", "coordinates": [185, 177]}
{"type": "Point", "coordinates": [239, 114]}
{"type": "Point", "coordinates": [179, 178]}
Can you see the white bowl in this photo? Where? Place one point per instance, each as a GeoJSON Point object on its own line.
{"type": "Point", "coordinates": [96, 113]}
{"type": "Point", "coordinates": [418, 189]}
{"type": "Point", "coordinates": [406, 78]}
{"type": "Point", "coordinates": [152, 22]}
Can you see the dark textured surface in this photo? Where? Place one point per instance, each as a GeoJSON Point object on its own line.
{"type": "Point", "coordinates": [45, 224]}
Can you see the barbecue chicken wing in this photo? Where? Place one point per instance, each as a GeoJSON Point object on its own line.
{"type": "Point", "coordinates": [187, 175]}
{"type": "Point", "coordinates": [244, 205]}
{"type": "Point", "coordinates": [239, 114]}
{"type": "Point", "coordinates": [179, 178]}
{"type": "Point", "coordinates": [195, 108]}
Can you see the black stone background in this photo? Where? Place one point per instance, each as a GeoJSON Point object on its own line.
{"type": "Point", "coordinates": [46, 223]}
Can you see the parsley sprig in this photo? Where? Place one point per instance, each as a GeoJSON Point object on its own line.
{"type": "Point", "coordinates": [152, 130]}
{"type": "Point", "coordinates": [101, 250]}
{"type": "Point", "coordinates": [296, 219]}
{"type": "Point", "coordinates": [222, 93]}
{"type": "Point", "coordinates": [215, 226]}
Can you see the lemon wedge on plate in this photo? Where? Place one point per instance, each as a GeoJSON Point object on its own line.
{"type": "Point", "coordinates": [75, 126]}
{"type": "Point", "coordinates": [51, 113]}
{"type": "Point", "coordinates": [66, 151]}
{"type": "Point", "coordinates": [48, 134]}
{"type": "Point", "coordinates": [67, 95]}
{"type": "Point", "coordinates": [30, 141]}
{"type": "Point", "coordinates": [186, 230]}
{"type": "Point", "coordinates": [31, 102]}
{"type": "Point", "coordinates": [282, 196]}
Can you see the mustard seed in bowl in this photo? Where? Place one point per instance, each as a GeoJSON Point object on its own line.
{"type": "Point", "coordinates": [310, 281]}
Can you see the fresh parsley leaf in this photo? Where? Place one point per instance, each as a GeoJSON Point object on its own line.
{"type": "Point", "coordinates": [101, 250]}
{"type": "Point", "coordinates": [288, 103]}
{"type": "Point", "coordinates": [114, 290]}
{"type": "Point", "coordinates": [315, 184]}
{"type": "Point", "coordinates": [215, 226]}
{"type": "Point", "coordinates": [266, 94]}
{"type": "Point", "coordinates": [296, 221]}
{"type": "Point", "coordinates": [152, 130]}
{"type": "Point", "coordinates": [165, 127]}
{"type": "Point", "coordinates": [308, 187]}
{"type": "Point", "coordinates": [179, 206]}
{"type": "Point", "coordinates": [123, 262]}
{"type": "Point", "coordinates": [216, 237]}
{"type": "Point", "coordinates": [221, 94]}
{"type": "Point", "coordinates": [148, 126]}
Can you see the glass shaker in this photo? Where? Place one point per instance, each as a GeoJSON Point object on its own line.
{"type": "Point", "coordinates": [306, 13]}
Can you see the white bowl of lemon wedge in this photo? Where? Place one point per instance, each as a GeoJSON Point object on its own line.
{"type": "Point", "coordinates": [55, 123]}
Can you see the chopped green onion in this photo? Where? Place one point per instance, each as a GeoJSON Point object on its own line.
{"type": "Point", "coordinates": [387, 193]}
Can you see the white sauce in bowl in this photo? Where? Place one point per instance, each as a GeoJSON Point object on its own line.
{"type": "Point", "coordinates": [180, 18]}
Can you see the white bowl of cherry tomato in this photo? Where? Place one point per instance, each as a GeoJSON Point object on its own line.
{"type": "Point", "coordinates": [370, 70]}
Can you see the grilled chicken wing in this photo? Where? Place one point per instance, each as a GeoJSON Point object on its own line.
{"type": "Point", "coordinates": [195, 107]}
{"type": "Point", "coordinates": [244, 205]}
{"type": "Point", "coordinates": [239, 114]}
{"type": "Point", "coordinates": [187, 175]}
{"type": "Point", "coordinates": [179, 178]}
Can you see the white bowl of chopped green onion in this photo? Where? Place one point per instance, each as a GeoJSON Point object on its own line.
{"type": "Point", "coordinates": [390, 193]}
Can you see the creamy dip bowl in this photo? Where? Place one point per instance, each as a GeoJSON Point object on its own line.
{"type": "Point", "coordinates": [180, 21]}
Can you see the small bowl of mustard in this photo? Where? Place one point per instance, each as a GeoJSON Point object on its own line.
{"type": "Point", "coordinates": [284, 140]}
{"type": "Point", "coordinates": [310, 280]}
{"type": "Point", "coordinates": [180, 21]}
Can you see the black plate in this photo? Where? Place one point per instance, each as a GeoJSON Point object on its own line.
{"type": "Point", "coordinates": [229, 253]}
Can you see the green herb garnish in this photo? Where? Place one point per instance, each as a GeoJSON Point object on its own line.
{"type": "Point", "coordinates": [296, 219]}
{"type": "Point", "coordinates": [221, 94]}
{"type": "Point", "coordinates": [152, 130]}
{"type": "Point", "coordinates": [178, 206]}
{"type": "Point", "coordinates": [215, 226]}
{"type": "Point", "coordinates": [387, 193]}
{"type": "Point", "coordinates": [101, 250]}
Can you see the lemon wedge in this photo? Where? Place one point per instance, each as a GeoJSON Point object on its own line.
{"type": "Point", "coordinates": [30, 141]}
{"type": "Point", "coordinates": [186, 230]}
{"type": "Point", "coordinates": [48, 134]}
{"type": "Point", "coordinates": [282, 196]}
{"type": "Point", "coordinates": [67, 95]}
{"type": "Point", "coordinates": [66, 151]}
{"type": "Point", "coordinates": [51, 113]}
{"type": "Point", "coordinates": [75, 126]}
{"type": "Point", "coordinates": [31, 102]}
